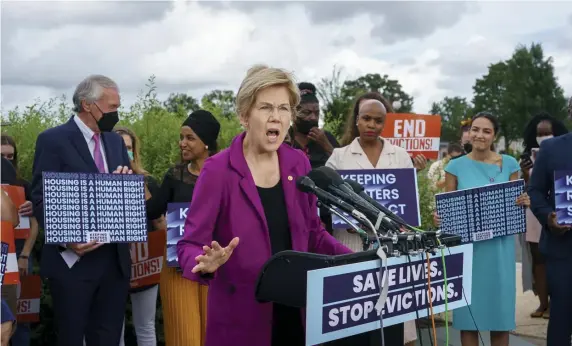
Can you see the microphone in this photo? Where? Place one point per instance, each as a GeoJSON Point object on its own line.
{"type": "Point", "coordinates": [306, 184]}
{"type": "Point", "coordinates": [333, 183]}
{"type": "Point", "coordinates": [360, 191]}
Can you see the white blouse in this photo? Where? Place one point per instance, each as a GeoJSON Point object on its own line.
{"type": "Point", "coordinates": [353, 157]}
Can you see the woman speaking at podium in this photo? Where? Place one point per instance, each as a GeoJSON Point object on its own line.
{"type": "Point", "coordinates": [245, 208]}
{"type": "Point", "coordinates": [493, 297]}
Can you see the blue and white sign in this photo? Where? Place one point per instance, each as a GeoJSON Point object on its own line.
{"type": "Point", "coordinates": [176, 216]}
{"type": "Point", "coordinates": [81, 207]}
{"type": "Point", "coordinates": [395, 189]}
{"type": "Point", "coordinates": [341, 300]}
{"type": "Point", "coordinates": [563, 197]}
{"type": "Point", "coordinates": [482, 213]}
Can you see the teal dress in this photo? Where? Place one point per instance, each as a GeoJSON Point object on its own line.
{"type": "Point", "coordinates": [493, 298]}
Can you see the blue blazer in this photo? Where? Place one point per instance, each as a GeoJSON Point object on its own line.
{"type": "Point", "coordinates": [555, 154]}
{"type": "Point", "coordinates": [64, 149]}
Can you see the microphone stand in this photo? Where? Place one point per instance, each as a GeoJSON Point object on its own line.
{"type": "Point", "coordinates": [363, 234]}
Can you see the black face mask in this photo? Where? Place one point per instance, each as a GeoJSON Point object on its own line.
{"type": "Point", "coordinates": [304, 126]}
{"type": "Point", "coordinates": [107, 121]}
{"type": "Point", "coordinates": [468, 147]}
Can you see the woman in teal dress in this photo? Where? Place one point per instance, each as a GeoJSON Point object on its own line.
{"type": "Point", "coordinates": [493, 297]}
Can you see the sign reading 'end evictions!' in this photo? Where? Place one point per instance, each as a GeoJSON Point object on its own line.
{"type": "Point", "coordinates": [563, 197]}
{"type": "Point", "coordinates": [81, 207]}
{"type": "Point", "coordinates": [341, 300]}
{"type": "Point", "coordinates": [176, 216]}
{"type": "Point", "coordinates": [395, 189]}
{"type": "Point", "coordinates": [416, 133]}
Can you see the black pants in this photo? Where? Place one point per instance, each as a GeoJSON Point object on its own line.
{"type": "Point", "coordinates": [93, 307]}
{"type": "Point", "coordinates": [559, 275]}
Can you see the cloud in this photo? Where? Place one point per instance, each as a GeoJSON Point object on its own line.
{"type": "Point", "coordinates": [434, 49]}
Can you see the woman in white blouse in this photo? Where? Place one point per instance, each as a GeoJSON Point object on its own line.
{"type": "Point", "coordinates": [363, 148]}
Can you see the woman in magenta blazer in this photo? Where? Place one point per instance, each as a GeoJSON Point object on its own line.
{"type": "Point", "coordinates": [246, 200]}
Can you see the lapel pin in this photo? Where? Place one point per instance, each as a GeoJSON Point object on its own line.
{"type": "Point", "coordinates": [290, 178]}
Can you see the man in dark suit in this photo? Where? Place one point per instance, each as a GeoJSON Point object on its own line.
{"type": "Point", "coordinates": [555, 241]}
{"type": "Point", "coordinates": [89, 282]}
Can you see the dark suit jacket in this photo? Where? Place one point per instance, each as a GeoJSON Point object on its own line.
{"type": "Point", "coordinates": [64, 149]}
{"type": "Point", "coordinates": [555, 154]}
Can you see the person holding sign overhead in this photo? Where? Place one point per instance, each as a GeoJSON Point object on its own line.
{"type": "Point", "coordinates": [555, 240]}
{"type": "Point", "coordinates": [493, 298]}
{"type": "Point", "coordinates": [247, 193]}
{"type": "Point", "coordinates": [89, 282]}
{"type": "Point", "coordinates": [367, 150]}
{"type": "Point", "coordinates": [540, 128]}
{"type": "Point", "coordinates": [184, 302]}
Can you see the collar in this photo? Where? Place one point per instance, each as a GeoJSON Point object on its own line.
{"type": "Point", "coordinates": [388, 148]}
{"type": "Point", "coordinates": [85, 131]}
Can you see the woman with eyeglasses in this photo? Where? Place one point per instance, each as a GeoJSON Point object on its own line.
{"type": "Point", "coordinates": [493, 297]}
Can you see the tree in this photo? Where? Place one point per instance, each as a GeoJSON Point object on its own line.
{"type": "Point", "coordinates": [516, 89]}
{"type": "Point", "coordinates": [452, 111]}
{"type": "Point", "coordinates": [339, 97]}
{"type": "Point", "coordinates": [222, 99]}
{"type": "Point", "coordinates": [181, 104]}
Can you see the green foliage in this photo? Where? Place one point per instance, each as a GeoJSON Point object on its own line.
{"type": "Point", "coordinates": [516, 89]}
{"type": "Point", "coordinates": [338, 96]}
{"type": "Point", "coordinates": [452, 111]}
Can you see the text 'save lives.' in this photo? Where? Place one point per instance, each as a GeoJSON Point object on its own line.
{"type": "Point", "coordinates": [81, 207]}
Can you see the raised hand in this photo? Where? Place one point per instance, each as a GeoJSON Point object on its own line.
{"type": "Point", "coordinates": [214, 257]}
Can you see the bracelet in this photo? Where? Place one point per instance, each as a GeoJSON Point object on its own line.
{"type": "Point", "coordinates": [24, 257]}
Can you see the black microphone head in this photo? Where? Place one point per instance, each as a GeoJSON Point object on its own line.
{"type": "Point", "coordinates": [305, 184]}
{"type": "Point", "coordinates": [333, 177]}
{"type": "Point", "coordinates": [320, 178]}
{"type": "Point", "coordinates": [355, 186]}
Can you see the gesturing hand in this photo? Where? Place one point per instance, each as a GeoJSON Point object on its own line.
{"type": "Point", "coordinates": [214, 257]}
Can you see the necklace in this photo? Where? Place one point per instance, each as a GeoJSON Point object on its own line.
{"type": "Point", "coordinates": [480, 169]}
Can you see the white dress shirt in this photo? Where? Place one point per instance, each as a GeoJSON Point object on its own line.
{"type": "Point", "coordinates": [69, 256]}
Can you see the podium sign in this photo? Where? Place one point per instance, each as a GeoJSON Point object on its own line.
{"type": "Point", "coordinates": [341, 300]}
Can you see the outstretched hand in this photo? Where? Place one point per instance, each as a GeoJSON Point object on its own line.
{"type": "Point", "coordinates": [214, 257]}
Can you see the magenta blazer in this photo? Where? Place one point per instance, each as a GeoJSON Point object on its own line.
{"type": "Point", "coordinates": [225, 205]}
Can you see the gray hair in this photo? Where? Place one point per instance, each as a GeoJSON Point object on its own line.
{"type": "Point", "coordinates": [91, 89]}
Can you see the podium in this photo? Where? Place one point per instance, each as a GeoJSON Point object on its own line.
{"type": "Point", "coordinates": [339, 293]}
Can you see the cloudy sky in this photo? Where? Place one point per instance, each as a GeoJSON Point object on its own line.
{"type": "Point", "coordinates": [434, 49]}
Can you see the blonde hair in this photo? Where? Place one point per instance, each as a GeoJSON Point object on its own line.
{"type": "Point", "coordinates": [136, 165]}
{"type": "Point", "coordinates": [261, 77]}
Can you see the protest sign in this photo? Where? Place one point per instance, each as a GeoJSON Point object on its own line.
{"type": "Point", "coordinates": [8, 261]}
{"type": "Point", "coordinates": [395, 189]}
{"type": "Point", "coordinates": [147, 259]}
{"type": "Point", "coordinates": [18, 197]}
{"type": "Point", "coordinates": [28, 309]}
{"type": "Point", "coordinates": [482, 213]}
{"type": "Point", "coordinates": [341, 300]}
{"type": "Point", "coordinates": [563, 197]}
{"type": "Point", "coordinates": [80, 207]}
{"type": "Point", "coordinates": [176, 216]}
{"type": "Point", "coordinates": [416, 133]}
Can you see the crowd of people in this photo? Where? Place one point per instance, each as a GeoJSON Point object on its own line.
{"type": "Point", "coordinates": [245, 207]}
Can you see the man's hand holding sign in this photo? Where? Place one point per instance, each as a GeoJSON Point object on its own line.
{"type": "Point", "coordinates": [82, 249]}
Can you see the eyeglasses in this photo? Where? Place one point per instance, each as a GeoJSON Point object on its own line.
{"type": "Point", "coordinates": [269, 110]}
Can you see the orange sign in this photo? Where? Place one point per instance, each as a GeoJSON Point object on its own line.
{"type": "Point", "coordinates": [11, 275]}
{"type": "Point", "coordinates": [29, 299]}
{"type": "Point", "coordinates": [416, 133]}
{"type": "Point", "coordinates": [18, 197]}
{"type": "Point", "coordinates": [147, 259]}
